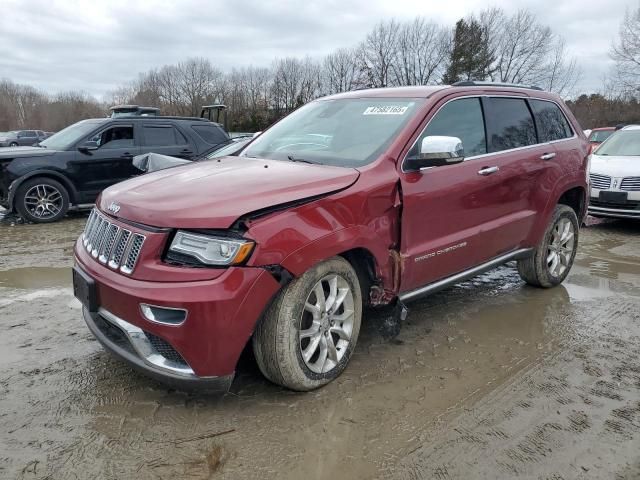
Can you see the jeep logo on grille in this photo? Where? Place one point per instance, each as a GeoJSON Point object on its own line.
{"type": "Point", "coordinates": [114, 207]}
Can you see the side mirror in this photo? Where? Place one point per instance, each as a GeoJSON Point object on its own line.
{"type": "Point", "coordinates": [436, 151]}
{"type": "Point", "coordinates": [88, 146]}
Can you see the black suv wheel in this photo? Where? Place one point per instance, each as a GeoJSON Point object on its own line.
{"type": "Point", "coordinates": [42, 200]}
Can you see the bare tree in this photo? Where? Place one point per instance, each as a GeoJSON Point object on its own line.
{"type": "Point", "coordinates": [626, 53]}
{"type": "Point", "coordinates": [378, 54]}
{"type": "Point", "coordinates": [341, 71]}
{"type": "Point", "coordinates": [561, 75]}
{"type": "Point", "coordinates": [421, 50]}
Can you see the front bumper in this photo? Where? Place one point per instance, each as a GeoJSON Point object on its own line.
{"type": "Point", "coordinates": [130, 343]}
{"type": "Point", "coordinates": [629, 209]}
{"type": "Point", "coordinates": [222, 314]}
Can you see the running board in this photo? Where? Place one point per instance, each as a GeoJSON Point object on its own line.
{"type": "Point", "coordinates": [462, 276]}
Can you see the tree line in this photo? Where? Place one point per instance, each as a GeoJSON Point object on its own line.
{"type": "Point", "coordinates": [490, 45]}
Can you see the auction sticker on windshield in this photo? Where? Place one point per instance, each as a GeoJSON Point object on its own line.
{"type": "Point", "coordinates": [386, 110]}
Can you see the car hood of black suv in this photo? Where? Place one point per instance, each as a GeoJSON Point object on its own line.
{"type": "Point", "coordinates": [18, 152]}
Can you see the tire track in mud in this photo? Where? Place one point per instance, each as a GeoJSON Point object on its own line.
{"type": "Point", "coordinates": [552, 425]}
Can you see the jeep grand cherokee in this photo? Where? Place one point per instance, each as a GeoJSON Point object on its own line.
{"type": "Point", "coordinates": [366, 198]}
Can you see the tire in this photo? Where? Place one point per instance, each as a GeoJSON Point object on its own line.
{"type": "Point", "coordinates": [42, 200]}
{"type": "Point", "coordinates": [13, 144]}
{"type": "Point", "coordinates": [553, 258]}
{"type": "Point", "coordinates": [288, 358]}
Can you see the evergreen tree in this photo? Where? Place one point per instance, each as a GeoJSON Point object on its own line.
{"type": "Point", "coordinates": [470, 57]}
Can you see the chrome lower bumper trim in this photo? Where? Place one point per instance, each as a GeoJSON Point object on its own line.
{"type": "Point", "coordinates": [143, 346]}
{"type": "Point", "coordinates": [614, 212]}
{"type": "Point", "coordinates": [151, 365]}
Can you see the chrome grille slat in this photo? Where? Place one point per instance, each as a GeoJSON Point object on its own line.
{"type": "Point", "coordinates": [601, 182]}
{"type": "Point", "coordinates": [112, 244]}
{"type": "Point", "coordinates": [133, 253]}
{"type": "Point", "coordinates": [630, 184]}
{"type": "Point", "coordinates": [107, 245]}
{"type": "Point", "coordinates": [119, 249]}
{"type": "Point", "coordinates": [100, 234]}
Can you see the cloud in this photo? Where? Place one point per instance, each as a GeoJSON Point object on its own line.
{"type": "Point", "coordinates": [94, 46]}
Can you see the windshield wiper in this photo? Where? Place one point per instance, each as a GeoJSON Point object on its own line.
{"type": "Point", "coordinates": [302, 160]}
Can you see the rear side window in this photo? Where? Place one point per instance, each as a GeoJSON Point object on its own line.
{"type": "Point", "coordinates": [600, 135]}
{"type": "Point", "coordinates": [459, 118]}
{"type": "Point", "coordinates": [551, 122]}
{"type": "Point", "coordinates": [162, 136]}
{"type": "Point", "coordinates": [210, 133]}
{"type": "Point", "coordinates": [509, 124]}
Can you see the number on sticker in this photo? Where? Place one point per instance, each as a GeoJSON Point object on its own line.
{"type": "Point", "coordinates": [385, 110]}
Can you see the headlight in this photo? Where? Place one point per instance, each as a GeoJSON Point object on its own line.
{"type": "Point", "coordinates": [211, 250]}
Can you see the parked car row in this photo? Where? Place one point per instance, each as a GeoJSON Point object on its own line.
{"type": "Point", "coordinates": [18, 138]}
{"type": "Point", "coordinates": [370, 198]}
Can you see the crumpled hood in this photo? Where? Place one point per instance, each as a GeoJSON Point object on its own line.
{"type": "Point", "coordinates": [216, 193]}
{"type": "Point", "coordinates": [18, 152]}
{"type": "Point", "coordinates": [615, 166]}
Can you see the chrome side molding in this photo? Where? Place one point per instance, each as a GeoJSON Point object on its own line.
{"type": "Point", "coordinates": [459, 277]}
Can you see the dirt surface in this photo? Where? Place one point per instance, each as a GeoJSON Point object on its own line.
{"type": "Point", "coordinates": [489, 379]}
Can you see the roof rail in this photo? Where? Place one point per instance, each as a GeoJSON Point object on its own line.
{"type": "Point", "coordinates": [473, 83]}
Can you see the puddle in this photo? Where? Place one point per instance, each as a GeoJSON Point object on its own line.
{"type": "Point", "coordinates": [32, 278]}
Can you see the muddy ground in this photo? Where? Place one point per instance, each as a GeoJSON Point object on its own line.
{"type": "Point", "coordinates": [489, 379]}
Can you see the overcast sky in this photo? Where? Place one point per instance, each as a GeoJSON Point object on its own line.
{"type": "Point", "coordinates": [94, 46]}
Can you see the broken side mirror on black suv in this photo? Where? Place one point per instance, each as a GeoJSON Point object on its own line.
{"type": "Point", "coordinates": [436, 151]}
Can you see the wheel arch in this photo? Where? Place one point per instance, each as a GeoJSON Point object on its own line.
{"type": "Point", "coordinates": [73, 193]}
{"type": "Point", "coordinates": [575, 198]}
{"type": "Point", "coordinates": [359, 246]}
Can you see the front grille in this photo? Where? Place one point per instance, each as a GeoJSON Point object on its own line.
{"type": "Point", "coordinates": [601, 182]}
{"type": "Point", "coordinates": [628, 205]}
{"type": "Point", "coordinates": [111, 244]}
{"type": "Point", "coordinates": [164, 349]}
{"type": "Point", "coordinates": [630, 184]}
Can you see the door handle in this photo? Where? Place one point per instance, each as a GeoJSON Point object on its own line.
{"type": "Point", "coordinates": [488, 170]}
{"type": "Point", "coordinates": [186, 151]}
{"type": "Point", "coordinates": [126, 156]}
{"type": "Point", "coordinates": [547, 156]}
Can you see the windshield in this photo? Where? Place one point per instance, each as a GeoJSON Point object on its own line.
{"type": "Point", "coordinates": [345, 132]}
{"type": "Point", "coordinates": [625, 143]}
{"type": "Point", "coordinates": [600, 135]}
{"type": "Point", "coordinates": [69, 136]}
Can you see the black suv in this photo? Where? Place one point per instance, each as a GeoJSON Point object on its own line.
{"type": "Point", "coordinates": [72, 167]}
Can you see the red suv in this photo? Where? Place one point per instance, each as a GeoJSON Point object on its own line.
{"type": "Point", "coordinates": [366, 198]}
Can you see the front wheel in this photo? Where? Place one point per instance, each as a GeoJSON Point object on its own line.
{"type": "Point", "coordinates": [13, 144]}
{"type": "Point", "coordinates": [553, 258]}
{"type": "Point", "coordinates": [42, 200]}
{"type": "Point", "coordinates": [308, 334]}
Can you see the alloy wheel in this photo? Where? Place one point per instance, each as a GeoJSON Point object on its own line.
{"type": "Point", "coordinates": [326, 325]}
{"type": "Point", "coordinates": [43, 201]}
{"type": "Point", "coordinates": [561, 246]}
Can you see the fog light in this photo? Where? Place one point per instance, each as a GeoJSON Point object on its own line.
{"type": "Point", "coordinates": [163, 315]}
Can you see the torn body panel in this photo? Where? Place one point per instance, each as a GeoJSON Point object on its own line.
{"type": "Point", "coordinates": [366, 218]}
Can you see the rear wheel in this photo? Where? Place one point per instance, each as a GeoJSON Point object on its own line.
{"type": "Point", "coordinates": [13, 144]}
{"type": "Point", "coordinates": [42, 200]}
{"type": "Point", "coordinates": [552, 260]}
{"type": "Point", "coordinates": [308, 334]}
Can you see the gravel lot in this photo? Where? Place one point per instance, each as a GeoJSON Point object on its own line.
{"type": "Point", "coordinates": [490, 379]}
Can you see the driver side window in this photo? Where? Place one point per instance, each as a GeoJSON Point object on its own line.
{"type": "Point", "coordinates": [462, 118]}
{"type": "Point", "coordinates": [119, 136]}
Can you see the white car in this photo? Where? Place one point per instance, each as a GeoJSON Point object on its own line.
{"type": "Point", "coordinates": [615, 176]}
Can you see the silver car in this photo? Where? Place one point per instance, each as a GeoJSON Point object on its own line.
{"type": "Point", "coordinates": [21, 138]}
